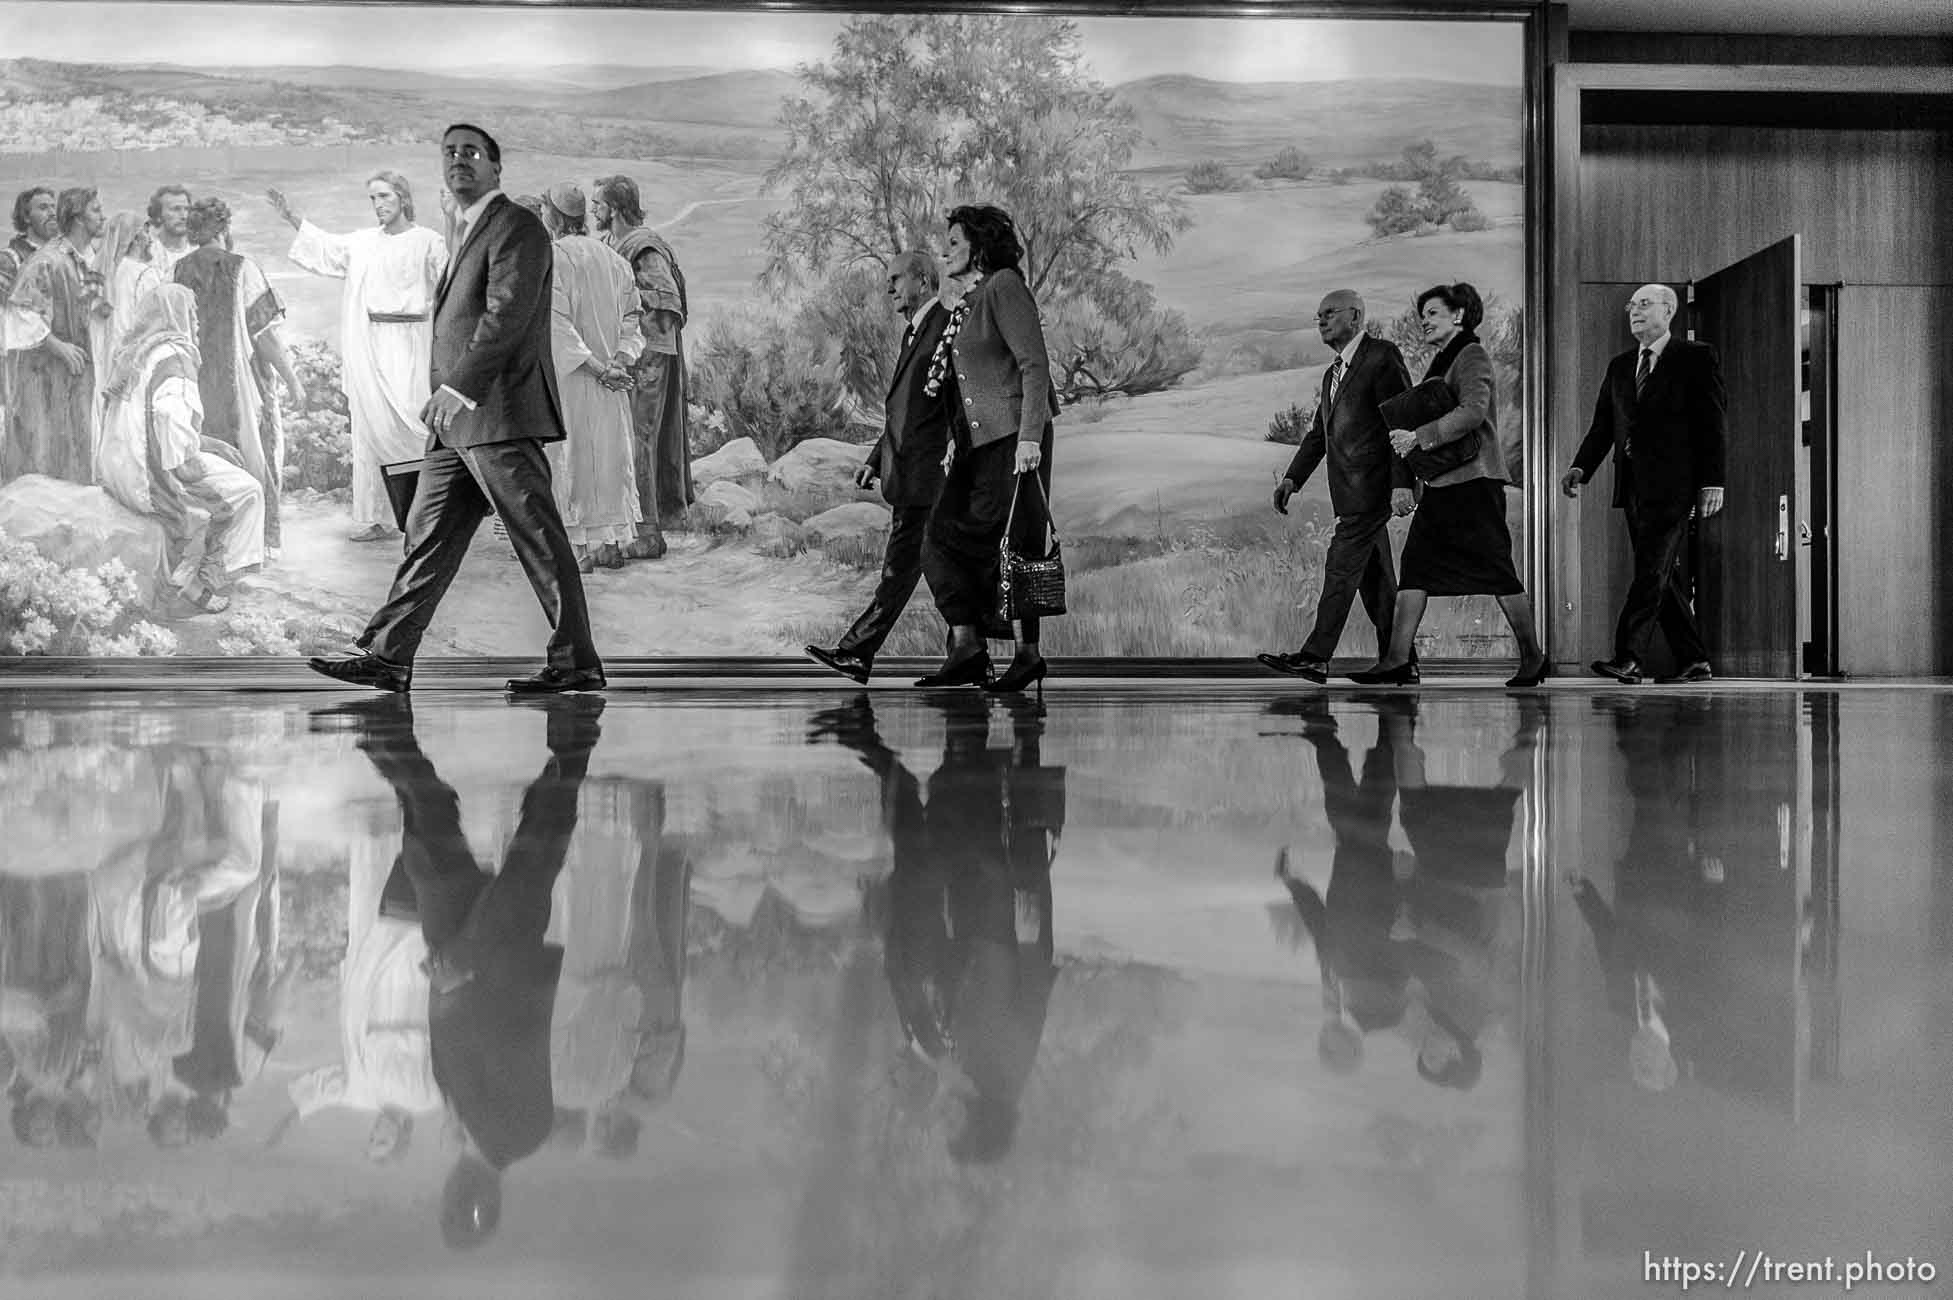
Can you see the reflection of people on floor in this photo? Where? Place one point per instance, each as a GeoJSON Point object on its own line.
{"type": "Point", "coordinates": [968, 953]}
{"type": "Point", "coordinates": [1659, 943]}
{"type": "Point", "coordinates": [387, 1064]}
{"type": "Point", "coordinates": [1364, 975]}
{"type": "Point", "coordinates": [219, 925]}
{"type": "Point", "coordinates": [1419, 951]}
{"type": "Point", "coordinates": [44, 982]}
{"type": "Point", "coordinates": [493, 974]}
{"type": "Point", "coordinates": [143, 931]}
{"type": "Point", "coordinates": [617, 1041]}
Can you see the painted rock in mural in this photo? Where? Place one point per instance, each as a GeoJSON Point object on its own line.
{"type": "Point", "coordinates": [824, 467]}
{"type": "Point", "coordinates": [739, 461]}
{"type": "Point", "coordinates": [738, 503]}
{"type": "Point", "coordinates": [81, 527]}
{"type": "Point", "coordinates": [856, 519]}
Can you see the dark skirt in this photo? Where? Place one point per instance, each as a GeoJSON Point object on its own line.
{"type": "Point", "coordinates": [960, 557]}
{"type": "Point", "coordinates": [1459, 544]}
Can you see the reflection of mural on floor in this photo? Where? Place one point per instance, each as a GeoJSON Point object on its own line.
{"type": "Point", "coordinates": [1186, 328]}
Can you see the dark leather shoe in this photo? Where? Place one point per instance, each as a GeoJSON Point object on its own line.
{"type": "Point", "coordinates": [1296, 665]}
{"type": "Point", "coordinates": [1625, 671]}
{"type": "Point", "coordinates": [554, 681]}
{"type": "Point", "coordinates": [851, 666]}
{"type": "Point", "coordinates": [366, 717]}
{"type": "Point", "coordinates": [972, 670]}
{"type": "Point", "coordinates": [1699, 671]}
{"type": "Point", "coordinates": [365, 670]}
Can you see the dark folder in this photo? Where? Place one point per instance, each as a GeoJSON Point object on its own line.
{"type": "Point", "coordinates": [1418, 405]}
{"type": "Point", "coordinates": [401, 481]}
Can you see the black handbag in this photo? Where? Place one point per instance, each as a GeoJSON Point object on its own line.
{"type": "Point", "coordinates": [1417, 406]}
{"type": "Point", "coordinates": [1027, 587]}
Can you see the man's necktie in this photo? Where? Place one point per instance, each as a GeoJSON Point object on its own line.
{"type": "Point", "coordinates": [1641, 371]}
{"type": "Point", "coordinates": [1335, 379]}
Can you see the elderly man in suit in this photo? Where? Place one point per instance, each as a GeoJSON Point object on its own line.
{"type": "Point", "coordinates": [1661, 410]}
{"type": "Point", "coordinates": [493, 408]}
{"type": "Point", "coordinates": [1367, 484]}
{"type": "Point", "coordinates": [907, 460]}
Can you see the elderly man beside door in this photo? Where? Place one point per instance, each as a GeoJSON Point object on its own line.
{"type": "Point", "coordinates": [1661, 411]}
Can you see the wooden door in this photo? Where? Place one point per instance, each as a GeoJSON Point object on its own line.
{"type": "Point", "coordinates": [1746, 588]}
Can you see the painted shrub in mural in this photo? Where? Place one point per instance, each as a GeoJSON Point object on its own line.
{"type": "Point", "coordinates": [1187, 191]}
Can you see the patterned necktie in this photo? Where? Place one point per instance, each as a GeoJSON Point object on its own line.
{"type": "Point", "coordinates": [1335, 379]}
{"type": "Point", "coordinates": [1641, 371]}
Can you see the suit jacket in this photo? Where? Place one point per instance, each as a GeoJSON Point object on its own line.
{"type": "Point", "coordinates": [1000, 358]}
{"type": "Point", "coordinates": [1352, 436]}
{"type": "Point", "coordinates": [491, 330]}
{"type": "Point", "coordinates": [909, 454]}
{"type": "Point", "coordinates": [1668, 441]}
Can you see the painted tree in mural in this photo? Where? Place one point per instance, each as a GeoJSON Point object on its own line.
{"type": "Point", "coordinates": [915, 114]}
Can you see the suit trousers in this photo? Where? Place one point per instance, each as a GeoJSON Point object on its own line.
{"type": "Point", "coordinates": [901, 571]}
{"type": "Point", "coordinates": [458, 487]}
{"type": "Point", "coordinates": [1657, 594]}
{"type": "Point", "coordinates": [1358, 563]}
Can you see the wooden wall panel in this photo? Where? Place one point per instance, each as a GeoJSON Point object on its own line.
{"type": "Point", "coordinates": [1895, 480]}
{"type": "Point", "coordinates": [1682, 201]}
{"type": "Point", "coordinates": [1727, 48]}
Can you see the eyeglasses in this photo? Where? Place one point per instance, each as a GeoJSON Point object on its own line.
{"type": "Point", "coordinates": [1645, 303]}
{"type": "Point", "coordinates": [472, 152]}
{"type": "Point", "coordinates": [1331, 314]}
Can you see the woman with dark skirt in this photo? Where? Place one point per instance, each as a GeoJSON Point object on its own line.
{"type": "Point", "coordinates": [1459, 544]}
{"type": "Point", "coordinates": [993, 352]}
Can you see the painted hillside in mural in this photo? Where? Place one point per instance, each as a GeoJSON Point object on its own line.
{"type": "Point", "coordinates": [1185, 213]}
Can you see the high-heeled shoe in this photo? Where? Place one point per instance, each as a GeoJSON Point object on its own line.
{"type": "Point", "coordinates": [1021, 674]}
{"type": "Point", "coordinates": [1404, 674]}
{"type": "Point", "coordinates": [972, 670]}
{"type": "Point", "coordinates": [1527, 680]}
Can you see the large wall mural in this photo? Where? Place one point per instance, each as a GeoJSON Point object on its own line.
{"type": "Point", "coordinates": [1187, 189]}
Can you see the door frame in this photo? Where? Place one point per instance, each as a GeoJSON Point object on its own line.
{"type": "Point", "coordinates": [1553, 545]}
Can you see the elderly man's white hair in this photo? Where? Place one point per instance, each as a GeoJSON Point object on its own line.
{"type": "Point", "coordinates": [1663, 292]}
{"type": "Point", "coordinates": [922, 263]}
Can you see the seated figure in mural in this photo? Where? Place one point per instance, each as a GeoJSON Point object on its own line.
{"type": "Point", "coordinates": [386, 333]}
{"type": "Point", "coordinates": [45, 332]}
{"type": "Point", "coordinates": [128, 276]}
{"type": "Point", "coordinates": [240, 348]}
{"type": "Point", "coordinates": [154, 460]}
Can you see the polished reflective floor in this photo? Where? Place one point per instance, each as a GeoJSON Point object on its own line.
{"type": "Point", "coordinates": [1130, 993]}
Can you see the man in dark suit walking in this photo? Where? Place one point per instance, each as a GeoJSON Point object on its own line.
{"type": "Point", "coordinates": [1366, 483]}
{"type": "Point", "coordinates": [1661, 410]}
{"type": "Point", "coordinates": [494, 406]}
{"type": "Point", "coordinates": [907, 460]}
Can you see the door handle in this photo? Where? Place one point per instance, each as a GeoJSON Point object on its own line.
{"type": "Point", "coordinates": [1783, 527]}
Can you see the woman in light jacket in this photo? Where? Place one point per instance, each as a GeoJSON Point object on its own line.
{"type": "Point", "coordinates": [1459, 544]}
{"type": "Point", "coordinates": [993, 352]}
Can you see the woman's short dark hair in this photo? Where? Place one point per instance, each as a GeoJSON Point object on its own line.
{"type": "Point", "coordinates": [994, 245]}
{"type": "Point", "coordinates": [620, 193]}
{"type": "Point", "coordinates": [1459, 297]}
{"type": "Point", "coordinates": [70, 206]}
{"type": "Point", "coordinates": [25, 200]}
{"type": "Point", "coordinates": [210, 219]}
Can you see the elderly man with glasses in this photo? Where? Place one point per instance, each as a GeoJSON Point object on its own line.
{"type": "Point", "coordinates": [1366, 482]}
{"type": "Point", "coordinates": [1661, 410]}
